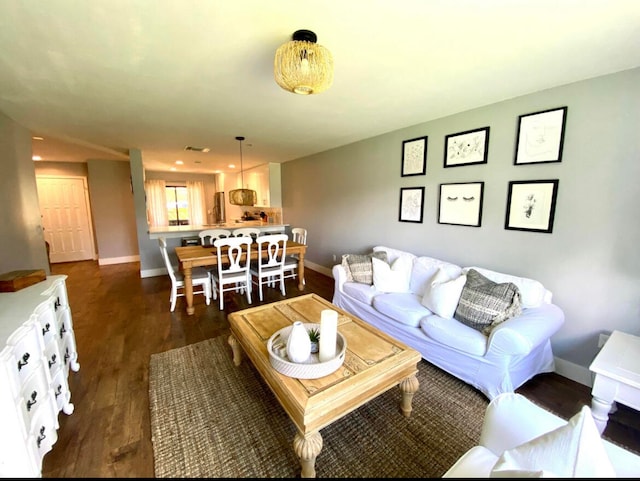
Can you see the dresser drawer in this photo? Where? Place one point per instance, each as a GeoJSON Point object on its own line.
{"type": "Point", "coordinates": [34, 395]}
{"type": "Point", "coordinates": [44, 433]}
{"type": "Point", "coordinates": [26, 346]}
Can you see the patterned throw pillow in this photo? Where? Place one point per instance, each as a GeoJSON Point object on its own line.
{"type": "Point", "coordinates": [484, 304]}
{"type": "Point", "coordinates": [359, 266]}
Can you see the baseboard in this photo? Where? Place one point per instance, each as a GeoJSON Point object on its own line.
{"type": "Point", "coordinates": [318, 268]}
{"type": "Point", "coordinates": [118, 260]}
{"type": "Point", "coordinates": [160, 271]}
{"type": "Point", "coordinates": [575, 372]}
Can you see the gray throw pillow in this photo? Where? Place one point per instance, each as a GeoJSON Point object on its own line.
{"type": "Point", "coordinates": [359, 267]}
{"type": "Point", "coordinates": [484, 304]}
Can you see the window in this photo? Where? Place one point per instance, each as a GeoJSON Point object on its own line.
{"type": "Point", "coordinates": [177, 205]}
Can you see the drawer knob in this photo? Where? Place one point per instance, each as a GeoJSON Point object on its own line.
{"type": "Point", "coordinates": [58, 390]}
{"type": "Point", "coordinates": [52, 361]}
{"type": "Point", "coordinates": [24, 361]}
{"type": "Point", "coordinates": [41, 437]}
{"type": "Point", "coordinates": [62, 331]}
{"type": "Point", "coordinates": [45, 329]}
{"type": "Point", "coordinates": [32, 401]}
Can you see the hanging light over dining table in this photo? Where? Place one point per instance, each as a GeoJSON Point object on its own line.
{"type": "Point", "coordinates": [242, 196]}
{"type": "Point", "coordinates": [302, 66]}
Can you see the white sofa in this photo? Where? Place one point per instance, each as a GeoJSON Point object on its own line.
{"type": "Point", "coordinates": [511, 420]}
{"type": "Point", "coordinates": [514, 352]}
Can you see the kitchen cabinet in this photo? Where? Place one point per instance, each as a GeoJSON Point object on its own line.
{"type": "Point", "coordinates": [38, 350]}
{"type": "Point", "coordinates": [265, 180]}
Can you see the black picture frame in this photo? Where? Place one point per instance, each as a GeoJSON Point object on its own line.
{"type": "Point", "coordinates": [466, 148]}
{"type": "Point", "coordinates": [461, 204]}
{"type": "Point", "coordinates": [414, 156]}
{"type": "Point", "coordinates": [411, 204]}
{"type": "Point", "coordinates": [540, 137]}
{"type": "Point", "coordinates": [531, 205]}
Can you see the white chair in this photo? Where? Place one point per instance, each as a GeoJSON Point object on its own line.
{"type": "Point", "coordinates": [199, 278]}
{"type": "Point", "coordinates": [269, 267]}
{"type": "Point", "coordinates": [234, 263]}
{"type": "Point", "coordinates": [299, 235]}
{"type": "Point", "coordinates": [252, 232]}
{"type": "Point", "coordinates": [209, 235]}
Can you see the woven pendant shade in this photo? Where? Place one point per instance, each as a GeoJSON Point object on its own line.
{"type": "Point", "coordinates": [302, 66]}
{"type": "Point", "coordinates": [242, 196]}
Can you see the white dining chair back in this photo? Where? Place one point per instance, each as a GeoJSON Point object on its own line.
{"type": "Point", "coordinates": [252, 232]}
{"type": "Point", "coordinates": [299, 235]}
{"type": "Point", "coordinates": [233, 266]}
{"type": "Point", "coordinates": [207, 236]}
{"type": "Point", "coordinates": [200, 278]}
{"type": "Point", "coordinates": [269, 267]}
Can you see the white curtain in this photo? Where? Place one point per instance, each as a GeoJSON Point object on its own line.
{"type": "Point", "coordinates": [197, 202]}
{"type": "Point", "coordinates": [156, 203]}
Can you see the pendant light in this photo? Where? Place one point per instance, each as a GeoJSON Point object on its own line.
{"type": "Point", "coordinates": [242, 196]}
{"type": "Point", "coordinates": [302, 66]}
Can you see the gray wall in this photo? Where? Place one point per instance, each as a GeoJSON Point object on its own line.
{"type": "Point", "coordinates": [22, 243]}
{"type": "Point", "coordinates": [348, 198]}
{"type": "Point", "coordinates": [110, 189]}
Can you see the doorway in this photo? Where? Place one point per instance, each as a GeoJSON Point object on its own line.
{"type": "Point", "coordinates": [66, 219]}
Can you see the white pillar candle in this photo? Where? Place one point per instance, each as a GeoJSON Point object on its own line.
{"type": "Point", "coordinates": [328, 332]}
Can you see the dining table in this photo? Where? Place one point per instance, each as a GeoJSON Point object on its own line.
{"type": "Point", "coordinates": [202, 256]}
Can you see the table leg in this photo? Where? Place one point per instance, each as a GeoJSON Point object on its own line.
{"type": "Point", "coordinates": [600, 409]}
{"type": "Point", "coordinates": [307, 449]}
{"type": "Point", "coordinates": [236, 348]}
{"type": "Point", "coordinates": [408, 387]}
{"type": "Point", "coordinates": [301, 271]}
{"type": "Point", "coordinates": [188, 290]}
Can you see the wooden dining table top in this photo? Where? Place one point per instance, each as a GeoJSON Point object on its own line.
{"type": "Point", "coordinates": [194, 256]}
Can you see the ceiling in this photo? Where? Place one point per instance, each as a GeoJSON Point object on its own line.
{"type": "Point", "coordinates": [100, 77]}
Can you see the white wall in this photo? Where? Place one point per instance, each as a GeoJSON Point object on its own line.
{"type": "Point", "coordinates": [348, 199]}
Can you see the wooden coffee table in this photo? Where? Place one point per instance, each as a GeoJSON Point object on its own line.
{"type": "Point", "coordinates": [374, 363]}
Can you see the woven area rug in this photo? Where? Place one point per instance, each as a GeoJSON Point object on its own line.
{"type": "Point", "coordinates": [210, 418]}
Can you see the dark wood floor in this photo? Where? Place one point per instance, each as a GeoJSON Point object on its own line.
{"type": "Point", "coordinates": [120, 320]}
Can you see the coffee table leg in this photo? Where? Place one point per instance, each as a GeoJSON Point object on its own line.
{"type": "Point", "coordinates": [307, 449]}
{"type": "Point", "coordinates": [408, 387]}
{"type": "Point", "coordinates": [237, 350]}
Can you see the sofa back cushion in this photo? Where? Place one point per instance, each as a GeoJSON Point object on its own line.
{"type": "Point", "coordinates": [394, 277]}
{"type": "Point", "coordinates": [532, 292]}
{"type": "Point", "coordinates": [424, 268]}
{"type": "Point", "coordinates": [359, 267]}
{"type": "Point", "coordinates": [393, 254]}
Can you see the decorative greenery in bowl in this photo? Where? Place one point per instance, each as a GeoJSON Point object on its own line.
{"type": "Point", "coordinates": [314, 337]}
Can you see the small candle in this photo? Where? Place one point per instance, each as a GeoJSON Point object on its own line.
{"type": "Point", "coordinates": [328, 332]}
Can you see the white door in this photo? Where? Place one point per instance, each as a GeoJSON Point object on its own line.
{"type": "Point", "coordinates": [64, 206]}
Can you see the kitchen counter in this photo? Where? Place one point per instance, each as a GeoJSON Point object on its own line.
{"type": "Point", "coordinates": [193, 230]}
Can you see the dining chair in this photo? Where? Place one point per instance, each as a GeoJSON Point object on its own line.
{"type": "Point", "coordinates": [253, 232]}
{"type": "Point", "coordinates": [299, 235]}
{"type": "Point", "coordinates": [199, 278]}
{"type": "Point", "coordinates": [269, 267]}
{"type": "Point", "coordinates": [233, 266]}
{"type": "Point", "coordinates": [207, 236]}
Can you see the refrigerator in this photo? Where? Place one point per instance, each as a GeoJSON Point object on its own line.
{"type": "Point", "coordinates": [219, 215]}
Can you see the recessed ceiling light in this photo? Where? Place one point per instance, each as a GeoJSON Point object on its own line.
{"type": "Point", "coordinates": [173, 168]}
{"type": "Point", "coordinates": [36, 157]}
{"type": "Point", "coordinates": [37, 138]}
{"type": "Point", "coordinates": [232, 166]}
{"type": "Point", "coordinates": [179, 162]}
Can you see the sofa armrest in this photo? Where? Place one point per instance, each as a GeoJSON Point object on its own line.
{"type": "Point", "coordinates": [519, 335]}
{"type": "Point", "coordinates": [339, 276]}
{"type": "Point", "coordinates": [511, 420]}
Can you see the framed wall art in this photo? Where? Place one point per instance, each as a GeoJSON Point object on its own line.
{"type": "Point", "coordinates": [414, 156]}
{"type": "Point", "coordinates": [411, 204]}
{"type": "Point", "coordinates": [465, 148]}
{"type": "Point", "coordinates": [461, 204]}
{"type": "Point", "coordinates": [540, 136]}
{"type": "Point", "coordinates": [531, 205]}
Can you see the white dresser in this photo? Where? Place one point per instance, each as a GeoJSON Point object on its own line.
{"type": "Point", "coordinates": [37, 350]}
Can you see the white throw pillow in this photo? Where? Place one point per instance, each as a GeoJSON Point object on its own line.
{"type": "Point", "coordinates": [443, 293]}
{"type": "Point", "coordinates": [574, 450]}
{"type": "Point", "coordinates": [394, 277]}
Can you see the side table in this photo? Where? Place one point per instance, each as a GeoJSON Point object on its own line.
{"type": "Point", "coordinates": [617, 376]}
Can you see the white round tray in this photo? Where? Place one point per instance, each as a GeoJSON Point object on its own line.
{"type": "Point", "coordinates": [312, 368]}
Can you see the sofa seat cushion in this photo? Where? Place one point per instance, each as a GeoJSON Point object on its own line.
{"type": "Point", "coordinates": [475, 463]}
{"type": "Point", "coordinates": [360, 292]}
{"type": "Point", "coordinates": [403, 307]}
{"type": "Point", "coordinates": [454, 334]}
